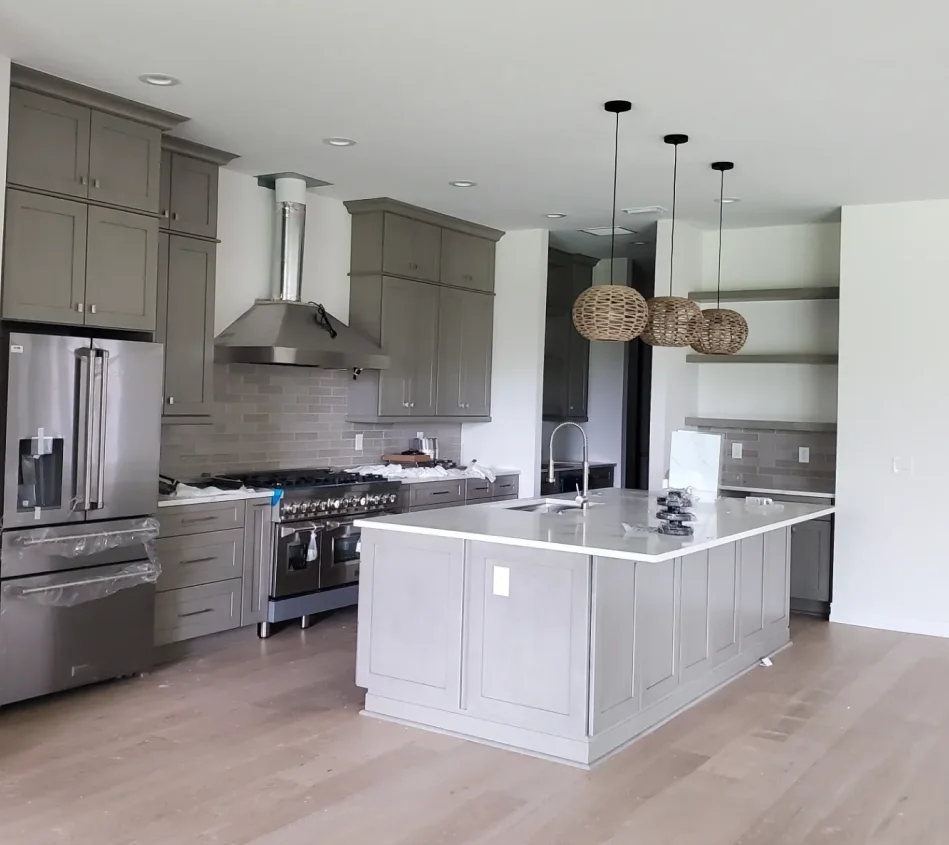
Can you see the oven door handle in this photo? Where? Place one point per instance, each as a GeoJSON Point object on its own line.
{"type": "Point", "coordinates": [290, 530]}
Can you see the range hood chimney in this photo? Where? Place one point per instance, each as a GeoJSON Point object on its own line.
{"type": "Point", "coordinates": [284, 330]}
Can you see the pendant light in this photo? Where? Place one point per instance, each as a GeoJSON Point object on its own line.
{"type": "Point", "coordinates": [721, 331]}
{"type": "Point", "coordinates": [673, 320]}
{"type": "Point", "coordinates": [611, 312]}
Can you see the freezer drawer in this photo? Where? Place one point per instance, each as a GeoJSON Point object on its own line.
{"type": "Point", "coordinates": [46, 648]}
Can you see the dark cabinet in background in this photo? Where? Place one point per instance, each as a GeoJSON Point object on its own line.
{"type": "Point", "coordinates": [812, 566]}
{"type": "Point", "coordinates": [566, 351]}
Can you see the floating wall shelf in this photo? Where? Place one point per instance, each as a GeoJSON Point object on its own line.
{"type": "Point", "coordinates": [766, 294]}
{"type": "Point", "coordinates": [762, 359]}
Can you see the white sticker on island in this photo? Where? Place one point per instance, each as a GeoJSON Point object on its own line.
{"type": "Point", "coordinates": [502, 581]}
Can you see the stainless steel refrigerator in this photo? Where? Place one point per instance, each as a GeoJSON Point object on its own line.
{"type": "Point", "coordinates": [82, 440]}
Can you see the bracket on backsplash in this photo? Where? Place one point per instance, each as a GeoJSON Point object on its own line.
{"type": "Point", "coordinates": [356, 372]}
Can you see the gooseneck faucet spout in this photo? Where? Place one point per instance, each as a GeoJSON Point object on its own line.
{"type": "Point", "coordinates": [585, 496]}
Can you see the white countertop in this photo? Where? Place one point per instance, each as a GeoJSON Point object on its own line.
{"type": "Point", "coordinates": [433, 473]}
{"type": "Point", "coordinates": [599, 530]}
{"type": "Point", "coordinates": [767, 491]}
{"type": "Point", "coordinates": [217, 496]}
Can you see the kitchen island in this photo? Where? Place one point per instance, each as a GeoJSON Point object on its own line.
{"type": "Point", "coordinates": [562, 632]}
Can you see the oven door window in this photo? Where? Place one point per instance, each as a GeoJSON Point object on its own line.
{"type": "Point", "coordinates": [298, 560]}
{"type": "Point", "coordinates": [340, 556]}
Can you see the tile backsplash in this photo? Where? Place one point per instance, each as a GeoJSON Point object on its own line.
{"type": "Point", "coordinates": [271, 417]}
{"type": "Point", "coordinates": [770, 454]}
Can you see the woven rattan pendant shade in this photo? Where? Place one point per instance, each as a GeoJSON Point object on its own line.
{"type": "Point", "coordinates": [721, 331]}
{"type": "Point", "coordinates": [672, 320]}
{"type": "Point", "coordinates": [611, 312]}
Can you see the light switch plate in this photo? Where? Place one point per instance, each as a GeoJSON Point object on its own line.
{"type": "Point", "coordinates": [502, 581]}
{"type": "Point", "coordinates": [804, 455]}
{"type": "Point", "coordinates": [358, 446]}
{"type": "Point", "coordinates": [736, 451]}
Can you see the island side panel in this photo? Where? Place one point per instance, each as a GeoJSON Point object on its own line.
{"type": "Point", "coordinates": [765, 587]}
{"type": "Point", "coordinates": [657, 628]}
{"type": "Point", "coordinates": [527, 638]}
{"type": "Point", "coordinates": [695, 656]}
{"type": "Point", "coordinates": [408, 642]}
{"type": "Point", "coordinates": [723, 603]}
{"type": "Point", "coordinates": [776, 588]}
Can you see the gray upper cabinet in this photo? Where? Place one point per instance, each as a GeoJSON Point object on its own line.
{"type": "Point", "coordinates": [409, 335]}
{"type": "Point", "coordinates": [467, 261]}
{"type": "Point", "coordinates": [124, 162]}
{"type": "Point", "coordinates": [190, 205]}
{"type": "Point", "coordinates": [186, 323]}
{"type": "Point", "coordinates": [410, 248]}
{"type": "Point", "coordinates": [44, 274]}
{"type": "Point", "coordinates": [49, 144]}
{"type": "Point", "coordinates": [121, 270]}
{"type": "Point", "coordinates": [465, 332]}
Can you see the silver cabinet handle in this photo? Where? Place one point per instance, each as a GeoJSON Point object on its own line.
{"type": "Point", "coordinates": [411, 404]}
{"type": "Point", "coordinates": [102, 364]}
{"type": "Point", "coordinates": [164, 213]}
{"type": "Point", "coordinates": [92, 309]}
{"type": "Point", "coordinates": [80, 307]}
{"type": "Point", "coordinates": [83, 180]}
{"type": "Point", "coordinates": [174, 215]}
{"type": "Point", "coordinates": [95, 183]}
{"type": "Point", "coordinates": [196, 613]}
{"type": "Point", "coordinates": [32, 591]}
{"type": "Point", "coordinates": [198, 519]}
{"type": "Point", "coordinates": [405, 404]}
{"type": "Point", "coordinates": [171, 400]}
{"type": "Point", "coordinates": [198, 560]}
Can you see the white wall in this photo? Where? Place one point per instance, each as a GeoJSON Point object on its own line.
{"type": "Point", "coordinates": [674, 382]}
{"type": "Point", "coordinates": [891, 567]}
{"type": "Point", "coordinates": [513, 437]}
{"type": "Point", "coordinates": [4, 120]}
{"type": "Point", "coordinates": [775, 257]}
{"type": "Point", "coordinates": [245, 227]}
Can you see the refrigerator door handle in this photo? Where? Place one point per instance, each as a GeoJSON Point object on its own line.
{"type": "Point", "coordinates": [84, 431]}
{"type": "Point", "coordinates": [102, 362]}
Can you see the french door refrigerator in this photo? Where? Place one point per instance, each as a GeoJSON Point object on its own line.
{"type": "Point", "coordinates": [82, 439]}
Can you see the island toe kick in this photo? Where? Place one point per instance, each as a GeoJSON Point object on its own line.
{"type": "Point", "coordinates": [556, 654]}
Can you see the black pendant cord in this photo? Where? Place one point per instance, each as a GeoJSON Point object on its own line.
{"type": "Point", "coordinates": [615, 173]}
{"type": "Point", "coordinates": [672, 236]}
{"type": "Point", "coordinates": [721, 222]}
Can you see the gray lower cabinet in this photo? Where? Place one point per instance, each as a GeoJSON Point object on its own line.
{"type": "Point", "coordinates": [526, 643]}
{"type": "Point", "coordinates": [216, 568]}
{"type": "Point", "coordinates": [467, 261]}
{"type": "Point", "coordinates": [412, 656]}
{"type": "Point", "coordinates": [186, 324]}
{"type": "Point", "coordinates": [48, 144]}
{"type": "Point", "coordinates": [765, 579]}
{"type": "Point", "coordinates": [811, 555]}
{"type": "Point", "coordinates": [44, 267]}
{"type": "Point", "coordinates": [657, 623]}
{"type": "Point", "coordinates": [409, 335]}
{"type": "Point", "coordinates": [121, 270]}
{"type": "Point", "coordinates": [189, 195]}
{"type": "Point", "coordinates": [465, 339]}
{"type": "Point", "coordinates": [124, 162]}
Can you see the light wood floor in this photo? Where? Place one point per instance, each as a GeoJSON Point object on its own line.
{"type": "Point", "coordinates": [844, 740]}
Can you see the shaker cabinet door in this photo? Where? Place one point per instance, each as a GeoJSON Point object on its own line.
{"type": "Point", "coordinates": [44, 259]}
{"type": "Point", "coordinates": [579, 349]}
{"type": "Point", "coordinates": [193, 196]}
{"type": "Point", "coordinates": [465, 331]}
{"type": "Point", "coordinates": [49, 144]}
{"type": "Point", "coordinates": [189, 327]}
{"type": "Point", "coordinates": [411, 248]}
{"type": "Point", "coordinates": [124, 162]}
{"type": "Point", "coordinates": [121, 270]}
{"type": "Point", "coordinates": [467, 261]}
{"type": "Point", "coordinates": [557, 337]}
{"type": "Point", "coordinates": [409, 335]}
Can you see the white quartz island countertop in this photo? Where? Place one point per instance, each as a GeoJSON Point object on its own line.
{"type": "Point", "coordinates": [618, 524]}
{"type": "Point", "coordinates": [211, 496]}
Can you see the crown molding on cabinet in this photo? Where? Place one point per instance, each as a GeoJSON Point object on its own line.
{"type": "Point", "coordinates": [423, 215]}
{"type": "Point", "coordinates": [192, 149]}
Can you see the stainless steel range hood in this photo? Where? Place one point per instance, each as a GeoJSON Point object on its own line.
{"type": "Point", "coordinates": [284, 330]}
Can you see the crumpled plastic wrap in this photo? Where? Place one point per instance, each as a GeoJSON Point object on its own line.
{"type": "Point", "coordinates": [73, 587]}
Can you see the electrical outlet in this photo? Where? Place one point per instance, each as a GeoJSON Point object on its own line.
{"type": "Point", "coordinates": [358, 443]}
{"type": "Point", "coordinates": [736, 451]}
{"type": "Point", "coordinates": [501, 578]}
{"type": "Point", "coordinates": [804, 455]}
{"type": "Point", "coordinates": [419, 434]}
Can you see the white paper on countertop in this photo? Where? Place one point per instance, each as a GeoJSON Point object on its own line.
{"type": "Point", "coordinates": [400, 472]}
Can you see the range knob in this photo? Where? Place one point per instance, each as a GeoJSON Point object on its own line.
{"type": "Point", "coordinates": [334, 504]}
{"type": "Point", "coordinates": [323, 504]}
{"type": "Point", "coordinates": [374, 499]}
{"type": "Point", "coordinates": [363, 501]}
{"type": "Point", "coordinates": [392, 498]}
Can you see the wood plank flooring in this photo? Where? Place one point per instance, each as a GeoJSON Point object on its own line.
{"type": "Point", "coordinates": [844, 740]}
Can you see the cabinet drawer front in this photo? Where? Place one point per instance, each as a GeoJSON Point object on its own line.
{"type": "Point", "coordinates": [195, 519]}
{"type": "Point", "coordinates": [505, 485]}
{"type": "Point", "coordinates": [478, 488]}
{"type": "Point", "coordinates": [411, 248]}
{"type": "Point", "coordinates": [467, 261]}
{"type": "Point", "coordinates": [194, 559]}
{"type": "Point", "coordinates": [196, 611]}
{"type": "Point", "coordinates": [436, 493]}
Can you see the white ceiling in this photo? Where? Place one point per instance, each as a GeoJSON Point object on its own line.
{"type": "Point", "coordinates": [820, 103]}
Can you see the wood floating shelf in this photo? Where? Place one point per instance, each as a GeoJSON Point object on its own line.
{"type": "Point", "coordinates": [762, 359]}
{"type": "Point", "coordinates": [766, 295]}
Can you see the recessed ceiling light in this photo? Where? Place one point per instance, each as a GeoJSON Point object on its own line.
{"type": "Point", "coordinates": [340, 142]}
{"type": "Point", "coordinates": [555, 216]}
{"type": "Point", "coordinates": [606, 231]}
{"type": "Point", "coordinates": [728, 200]}
{"type": "Point", "coordinates": [161, 79]}
{"type": "Point", "coordinates": [462, 183]}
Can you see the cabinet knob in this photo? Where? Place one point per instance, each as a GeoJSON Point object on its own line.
{"type": "Point", "coordinates": [95, 183]}
{"type": "Point", "coordinates": [411, 404]}
{"type": "Point", "coordinates": [174, 215]}
{"type": "Point", "coordinates": [171, 400]}
{"type": "Point", "coordinates": [92, 309]}
{"type": "Point", "coordinates": [83, 180]}
{"type": "Point", "coordinates": [80, 307]}
{"type": "Point", "coordinates": [164, 213]}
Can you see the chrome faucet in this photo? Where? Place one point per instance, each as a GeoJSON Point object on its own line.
{"type": "Point", "coordinates": [584, 497]}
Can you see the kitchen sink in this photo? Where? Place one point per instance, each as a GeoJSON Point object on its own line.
{"type": "Point", "coordinates": [548, 506]}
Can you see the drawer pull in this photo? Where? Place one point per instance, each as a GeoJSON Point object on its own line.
{"type": "Point", "coordinates": [198, 560]}
{"type": "Point", "coordinates": [196, 613]}
{"type": "Point", "coordinates": [442, 492]}
{"type": "Point", "coordinates": [32, 591]}
{"type": "Point", "coordinates": [197, 519]}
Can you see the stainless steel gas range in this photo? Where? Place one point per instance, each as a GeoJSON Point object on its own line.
{"type": "Point", "coordinates": [316, 546]}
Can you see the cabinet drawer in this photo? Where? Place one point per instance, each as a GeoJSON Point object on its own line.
{"type": "Point", "coordinates": [467, 261]}
{"type": "Point", "coordinates": [193, 559]}
{"type": "Point", "coordinates": [505, 485]}
{"type": "Point", "coordinates": [196, 611]}
{"type": "Point", "coordinates": [195, 519]}
{"type": "Point", "coordinates": [478, 488]}
{"type": "Point", "coordinates": [436, 493]}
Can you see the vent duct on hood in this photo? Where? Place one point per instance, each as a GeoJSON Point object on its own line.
{"type": "Point", "coordinates": [284, 330]}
